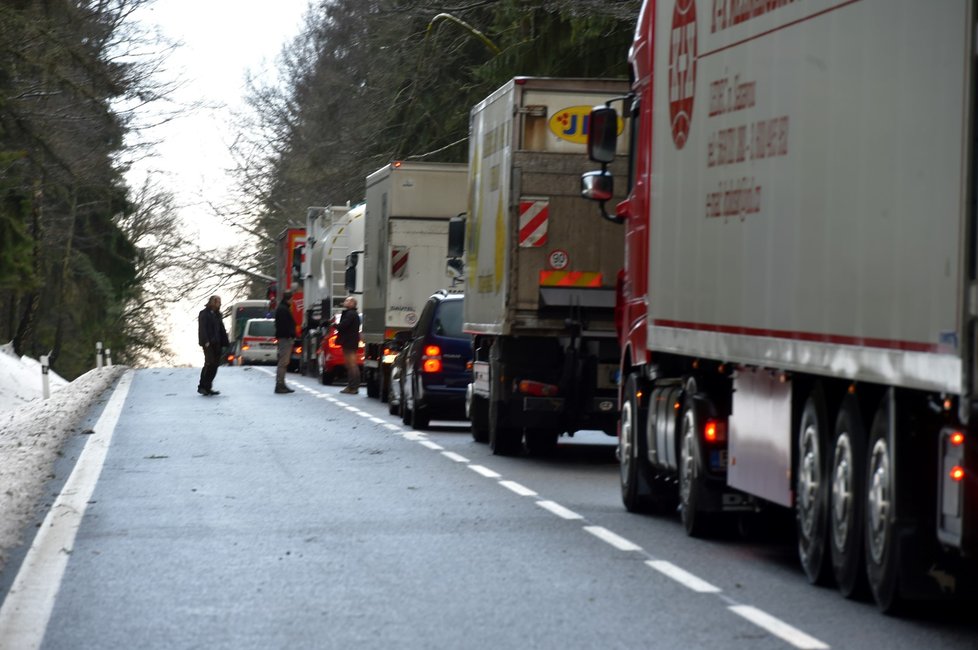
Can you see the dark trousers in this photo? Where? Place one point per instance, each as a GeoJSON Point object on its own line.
{"type": "Point", "coordinates": [212, 357]}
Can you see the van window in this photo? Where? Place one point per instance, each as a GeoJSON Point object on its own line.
{"type": "Point", "coordinates": [448, 322]}
{"type": "Point", "coordinates": [261, 328]}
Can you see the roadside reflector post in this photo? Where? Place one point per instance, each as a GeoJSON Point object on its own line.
{"type": "Point", "coordinates": [45, 380]}
{"type": "Point", "coordinates": [108, 358]}
{"type": "Point", "coordinates": [98, 355]}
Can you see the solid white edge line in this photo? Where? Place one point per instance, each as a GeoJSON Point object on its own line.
{"type": "Point", "coordinates": [778, 628]}
{"type": "Point", "coordinates": [614, 539]}
{"type": "Point", "coordinates": [458, 458]}
{"type": "Point", "coordinates": [683, 577]}
{"type": "Point", "coordinates": [27, 608]}
{"type": "Point", "coordinates": [519, 489]}
{"type": "Point", "coordinates": [431, 445]}
{"type": "Point", "coordinates": [485, 471]}
{"type": "Point", "coordinates": [559, 510]}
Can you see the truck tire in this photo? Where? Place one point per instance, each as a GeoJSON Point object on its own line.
{"type": "Point", "coordinates": [479, 418]}
{"type": "Point", "coordinates": [635, 471]}
{"type": "Point", "coordinates": [692, 482]}
{"type": "Point", "coordinates": [504, 439]}
{"type": "Point", "coordinates": [882, 544]}
{"type": "Point", "coordinates": [847, 500]}
{"type": "Point", "coordinates": [812, 489]}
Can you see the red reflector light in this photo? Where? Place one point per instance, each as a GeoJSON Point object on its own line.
{"type": "Point", "coordinates": [431, 365]}
{"type": "Point", "coordinates": [715, 431]}
{"type": "Point", "coordinates": [957, 473]}
{"type": "Point", "coordinates": [957, 438]}
{"type": "Point", "coordinates": [537, 388]}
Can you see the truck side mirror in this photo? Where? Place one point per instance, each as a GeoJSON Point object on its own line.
{"type": "Point", "coordinates": [350, 275]}
{"type": "Point", "coordinates": [598, 185]}
{"type": "Point", "coordinates": [456, 236]}
{"type": "Point", "coordinates": [602, 136]}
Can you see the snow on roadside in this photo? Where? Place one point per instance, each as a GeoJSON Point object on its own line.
{"type": "Point", "coordinates": [32, 434]}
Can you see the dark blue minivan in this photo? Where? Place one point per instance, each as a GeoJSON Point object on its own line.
{"type": "Point", "coordinates": [436, 361]}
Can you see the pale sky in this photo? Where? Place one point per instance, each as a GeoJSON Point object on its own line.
{"type": "Point", "coordinates": [223, 40]}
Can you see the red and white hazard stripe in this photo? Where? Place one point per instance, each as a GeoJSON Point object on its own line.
{"type": "Point", "coordinates": [399, 260]}
{"type": "Point", "coordinates": [534, 217]}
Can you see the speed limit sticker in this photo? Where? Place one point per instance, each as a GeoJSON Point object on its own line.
{"type": "Point", "coordinates": [559, 259]}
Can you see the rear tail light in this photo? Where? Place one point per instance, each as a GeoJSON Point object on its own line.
{"type": "Point", "coordinates": [230, 358]}
{"type": "Point", "coordinates": [298, 349]}
{"type": "Point", "coordinates": [957, 473]}
{"type": "Point", "coordinates": [537, 388]}
{"type": "Point", "coordinates": [332, 342]}
{"type": "Point", "coordinates": [245, 346]}
{"type": "Point", "coordinates": [431, 360]}
{"type": "Point", "coordinates": [715, 431]}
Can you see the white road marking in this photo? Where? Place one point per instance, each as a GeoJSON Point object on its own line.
{"type": "Point", "coordinates": [431, 445]}
{"type": "Point", "coordinates": [364, 414]}
{"type": "Point", "coordinates": [485, 471]}
{"type": "Point", "coordinates": [559, 510]}
{"type": "Point", "coordinates": [392, 427]}
{"type": "Point", "coordinates": [778, 628]}
{"type": "Point", "coordinates": [378, 420]}
{"type": "Point", "coordinates": [27, 608]}
{"type": "Point", "coordinates": [456, 457]}
{"type": "Point", "coordinates": [683, 577]}
{"type": "Point", "coordinates": [413, 437]}
{"type": "Point", "coordinates": [351, 409]}
{"type": "Point", "coordinates": [518, 489]}
{"type": "Point", "coordinates": [614, 539]}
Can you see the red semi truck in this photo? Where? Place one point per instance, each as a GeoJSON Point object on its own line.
{"type": "Point", "coordinates": [797, 308]}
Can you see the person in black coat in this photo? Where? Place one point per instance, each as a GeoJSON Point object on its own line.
{"type": "Point", "coordinates": [348, 336]}
{"type": "Point", "coordinates": [285, 333]}
{"type": "Point", "coordinates": [213, 338]}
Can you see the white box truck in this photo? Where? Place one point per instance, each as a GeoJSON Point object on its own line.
{"type": "Point", "coordinates": [540, 288]}
{"type": "Point", "coordinates": [409, 205]}
{"type": "Point", "coordinates": [333, 233]}
{"type": "Point", "coordinates": [799, 288]}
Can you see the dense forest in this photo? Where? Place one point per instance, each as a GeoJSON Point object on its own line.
{"type": "Point", "coordinates": [86, 258]}
{"type": "Point", "coordinates": [371, 81]}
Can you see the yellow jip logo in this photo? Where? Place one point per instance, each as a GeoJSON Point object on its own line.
{"type": "Point", "coordinates": [571, 124]}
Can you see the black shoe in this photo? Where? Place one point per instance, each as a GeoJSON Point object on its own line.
{"type": "Point", "coordinates": [282, 390]}
{"type": "Point", "coordinates": [203, 391]}
{"type": "Point", "coordinates": [213, 392]}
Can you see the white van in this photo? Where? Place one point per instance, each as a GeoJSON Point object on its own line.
{"type": "Point", "coordinates": [258, 343]}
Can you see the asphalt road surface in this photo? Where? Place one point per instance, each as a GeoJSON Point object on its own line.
{"type": "Point", "coordinates": [317, 520]}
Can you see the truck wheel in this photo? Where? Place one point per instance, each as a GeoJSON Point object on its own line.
{"type": "Point", "coordinates": [882, 552]}
{"type": "Point", "coordinates": [384, 385]}
{"type": "Point", "coordinates": [812, 489]}
{"type": "Point", "coordinates": [691, 481]}
{"type": "Point", "coordinates": [635, 472]}
{"type": "Point", "coordinates": [479, 417]}
{"type": "Point", "coordinates": [847, 500]}
{"type": "Point", "coordinates": [541, 442]}
{"type": "Point", "coordinates": [373, 384]}
{"type": "Point", "coordinates": [504, 439]}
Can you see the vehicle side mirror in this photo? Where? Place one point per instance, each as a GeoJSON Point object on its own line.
{"type": "Point", "coordinates": [350, 275]}
{"type": "Point", "coordinates": [456, 236]}
{"type": "Point", "coordinates": [598, 185]}
{"type": "Point", "coordinates": [602, 136]}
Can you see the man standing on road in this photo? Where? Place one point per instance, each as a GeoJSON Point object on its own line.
{"type": "Point", "coordinates": [348, 336]}
{"type": "Point", "coordinates": [213, 338]}
{"type": "Point", "coordinates": [285, 333]}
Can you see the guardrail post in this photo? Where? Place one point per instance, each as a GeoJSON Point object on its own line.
{"type": "Point", "coordinates": [98, 355]}
{"type": "Point", "coordinates": [45, 380]}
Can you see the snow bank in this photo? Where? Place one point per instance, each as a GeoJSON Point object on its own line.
{"type": "Point", "coordinates": [20, 379]}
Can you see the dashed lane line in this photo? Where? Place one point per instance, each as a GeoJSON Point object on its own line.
{"type": "Point", "coordinates": [485, 471]}
{"type": "Point", "coordinates": [431, 445]}
{"type": "Point", "coordinates": [683, 577]}
{"type": "Point", "coordinates": [458, 458]}
{"type": "Point", "coordinates": [558, 510]}
{"type": "Point", "coordinates": [778, 628]}
{"type": "Point", "coordinates": [613, 539]}
{"type": "Point", "coordinates": [519, 489]}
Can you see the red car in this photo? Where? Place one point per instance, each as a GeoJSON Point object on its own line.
{"type": "Point", "coordinates": [330, 357]}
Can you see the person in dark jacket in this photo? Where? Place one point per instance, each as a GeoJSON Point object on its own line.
{"type": "Point", "coordinates": [348, 336]}
{"type": "Point", "coordinates": [285, 333]}
{"type": "Point", "coordinates": [213, 338]}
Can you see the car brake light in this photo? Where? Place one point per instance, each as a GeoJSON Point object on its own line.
{"type": "Point", "coordinates": [332, 342]}
{"type": "Point", "coordinates": [957, 438]}
{"type": "Point", "coordinates": [715, 431]}
{"type": "Point", "coordinates": [431, 361]}
{"type": "Point", "coordinates": [957, 473]}
{"type": "Point", "coordinates": [298, 349]}
{"type": "Point", "coordinates": [245, 346]}
{"type": "Point", "coordinates": [537, 388]}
